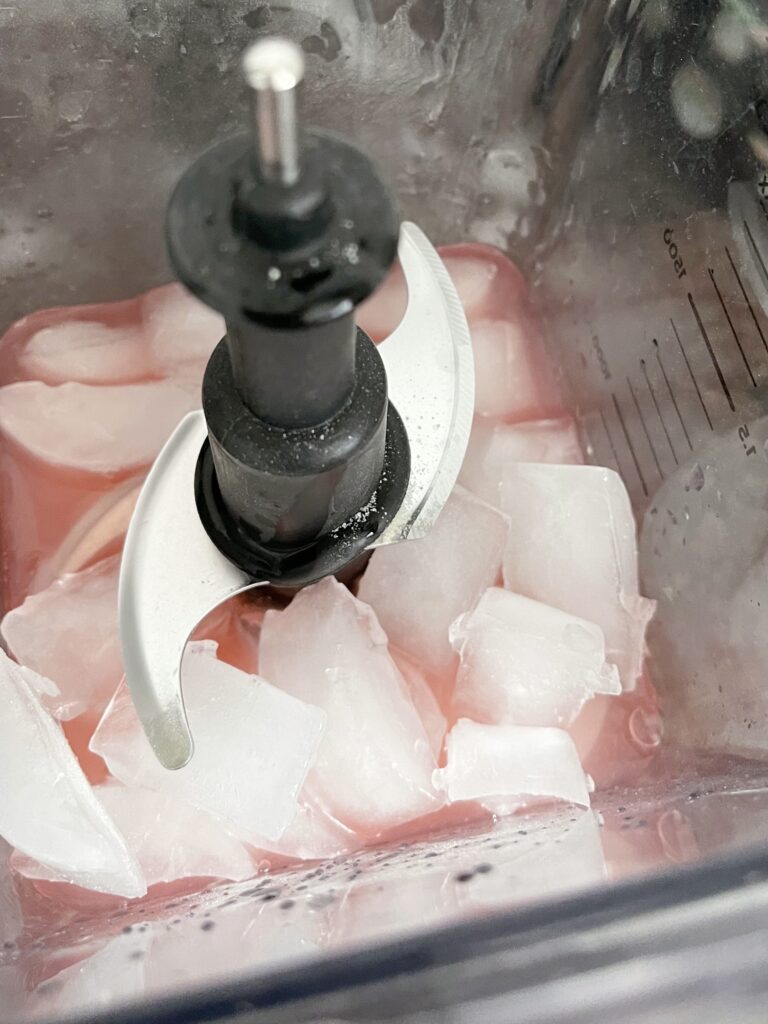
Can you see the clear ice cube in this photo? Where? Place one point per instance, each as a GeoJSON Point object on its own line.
{"type": "Point", "coordinates": [90, 427]}
{"type": "Point", "coordinates": [375, 764]}
{"type": "Point", "coordinates": [506, 767]}
{"type": "Point", "coordinates": [424, 700]}
{"type": "Point", "coordinates": [253, 746]}
{"type": "Point", "coordinates": [507, 379]}
{"type": "Point", "coordinates": [69, 633]}
{"type": "Point", "coordinates": [473, 278]}
{"type": "Point", "coordinates": [314, 834]}
{"type": "Point", "coordinates": [526, 663]}
{"type": "Point", "coordinates": [48, 810]}
{"type": "Point", "coordinates": [180, 330]}
{"type": "Point", "coordinates": [572, 544]}
{"type": "Point", "coordinates": [171, 839]}
{"type": "Point", "coordinates": [418, 588]}
{"type": "Point", "coordinates": [493, 445]}
{"type": "Point", "coordinates": [86, 351]}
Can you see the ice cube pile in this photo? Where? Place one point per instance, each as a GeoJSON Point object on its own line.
{"type": "Point", "coordinates": [494, 665]}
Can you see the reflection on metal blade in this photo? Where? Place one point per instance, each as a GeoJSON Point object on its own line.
{"type": "Point", "coordinates": [431, 381]}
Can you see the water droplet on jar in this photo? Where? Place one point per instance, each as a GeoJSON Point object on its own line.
{"type": "Point", "coordinates": [677, 840]}
{"type": "Point", "coordinates": [696, 478]}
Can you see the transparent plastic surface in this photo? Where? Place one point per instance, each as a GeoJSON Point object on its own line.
{"type": "Point", "coordinates": [616, 150]}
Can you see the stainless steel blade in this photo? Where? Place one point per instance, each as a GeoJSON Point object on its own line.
{"type": "Point", "coordinates": [431, 382]}
{"type": "Point", "coordinates": [171, 577]}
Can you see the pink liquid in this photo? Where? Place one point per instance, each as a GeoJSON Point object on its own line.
{"type": "Point", "coordinates": [59, 519]}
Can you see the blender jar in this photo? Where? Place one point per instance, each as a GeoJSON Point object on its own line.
{"type": "Point", "coordinates": [617, 150]}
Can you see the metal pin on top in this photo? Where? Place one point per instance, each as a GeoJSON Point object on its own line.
{"type": "Point", "coordinates": [273, 69]}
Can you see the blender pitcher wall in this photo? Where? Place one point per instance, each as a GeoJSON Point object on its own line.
{"type": "Point", "coordinates": [653, 284]}
{"type": "Point", "coordinates": [103, 104]}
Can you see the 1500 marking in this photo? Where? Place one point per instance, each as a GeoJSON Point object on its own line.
{"type": "Point", "coordinates": [674, 252]}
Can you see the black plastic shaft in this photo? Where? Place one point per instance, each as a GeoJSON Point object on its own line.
{"type": "Point", "coordinates": [294, 378]}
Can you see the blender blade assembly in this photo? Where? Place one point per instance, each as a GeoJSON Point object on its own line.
{"type": "Point", "coordinates": [313, 445]}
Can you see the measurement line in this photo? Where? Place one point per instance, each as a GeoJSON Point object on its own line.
{"type": "Point", "coordinates": [615, 454]}
{"type": "Point", "coordinates": [671, 392]}
{"type": "Point", "coordinates": [693, 379]}
{"type": "Point", "coordinates": [733, 329]}
{"type": "Point", "coordinates": [746, 298]}
{"type": "Point", "coordinates": [712, 355]}
{"type": "Point", "coordinates": [645, 427]}
{"type": "Point", "coordinates": [629, 444]}
{"type": "Point", "coordinates": [656, 404]}
{"type": "Point", "coordinates": [755, 249]}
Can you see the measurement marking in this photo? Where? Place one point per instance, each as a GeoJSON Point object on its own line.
{"type": "Point", "coordinates": [645, 427]}
{"type": "Point", "coordinates": [615, 454]}
{"type": "Point", "coordinates": [733, 329]}
{"type": "Point", "coordinates": [746, 298]}
{"type": "Point", "coordinates": [671, 392]}
{"type": "Point", "coordinates": [693, 379]}
{"type": "Point", "coordinates": [712, 355]}
{"type": "Point", "coordinates": [755, 249]}
{"type": "Point", "coordinates": [656, 404]}
{"type": "Point", "coordinates": [629, 444]}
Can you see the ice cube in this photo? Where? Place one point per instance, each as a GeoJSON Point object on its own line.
{"type": "Point", "coordinates": [493, 445]}
{"type": "Point", "coordinates": [572, 545]}
{"type": "Point", "coordinates": [526, 663]}
{"type": "Point", "coordinates": [253, 746]}
{"type": "Point", "coordinates": [484, 279]}
{"type": "Point", "coordinates": [424, 700]}
{"type": "Point", "coordinates": [90, 427]}
{"type": "Point", "coordinates": [170, 839]}
{"type": "Point", "coordinates": [418, 588]}
{"type": "Point", "coordinates": [508, 372]}
{"type": "Point", "coordinates": [69, 634]}
{"type": "Point", "coordinates": [48, 810]}
{"type": "Point", "coordinates": [506, 767]}
{"type": "Point", "coordinates": [380, 314]}
{"type": "Point", "coordinates": [86, 351]}
{"type": "Point", "coordinates": [375, 764]}
{"type": "Point", "coordinates": [314, 834]}
{"type": "Point", "coordinates": [100, 531]}
{"type": "Point", "coordinates": [472, 278]}
{"type": "Point", "coordinates": [179, 329]}
{"type": "Point", "coordinates": [487, 283]}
